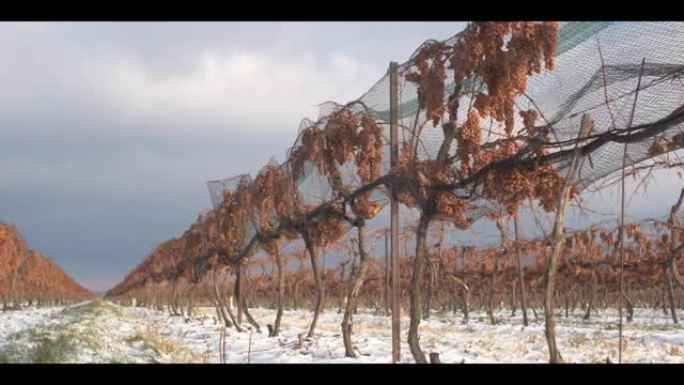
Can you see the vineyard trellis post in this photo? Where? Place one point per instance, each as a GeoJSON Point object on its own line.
{"type": "Point", "coordinates": [622, 214]}
{"type": "Point", "coordinates": [387, 276]}
{"type": "Point", "coordinates": [394, 217]}
{"type": "Point", "coordinates": [521, 276]}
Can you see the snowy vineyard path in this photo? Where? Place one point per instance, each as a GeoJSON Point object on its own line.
{"type": "Point", "coordinates": [102, 332]}
{"type": "Point", "coordinates": [89, 332]}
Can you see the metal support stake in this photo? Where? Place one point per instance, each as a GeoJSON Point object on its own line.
{"type": "Point", "coordinates": [394, 218]}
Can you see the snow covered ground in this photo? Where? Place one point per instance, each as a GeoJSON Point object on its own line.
{"type": "Point", "coordinates": [104, 332]}
{"type": "Point", "coordinates": [89, 332]}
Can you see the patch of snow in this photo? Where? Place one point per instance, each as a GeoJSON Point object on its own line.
{"type": "Point", "coordinates": [650, 338]}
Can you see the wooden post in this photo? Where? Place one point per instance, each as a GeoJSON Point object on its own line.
{"type": "Point", "coordinates": [622, 217]}
{"type": "Point", "coordinates": [387, 276]}
{"type": "Point", "coordinates": [521, 275]}
{"type": "Point", "coordinates": [394, 216]}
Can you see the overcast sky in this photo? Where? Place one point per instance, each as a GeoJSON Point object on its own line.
{"type": "Point", "coordinates": [109, 131]}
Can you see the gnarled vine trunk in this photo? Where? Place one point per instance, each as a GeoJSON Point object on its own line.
{"type": "Point", "coordinates": [416, 278]}
{"type": "Point", "coordinates": [318, 277]}
{"type": "Point", "coordinates": [281, 293]}
{"type": "Point", "coordinates": [558, 241]}
{"type": "Point", "coordinates": [222, 306]}
{"type": "Point", "coordinates": [354, 293]}
{"type": "Point", "coordinates": [237, 292]}
{"type": "Point", "coordinates": [242, 299]}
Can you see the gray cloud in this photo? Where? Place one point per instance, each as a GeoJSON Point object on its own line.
{"type": "Point", "coordinates": [109, 131]}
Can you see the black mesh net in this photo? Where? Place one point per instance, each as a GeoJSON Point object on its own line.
{"type": "Point", "coordinates": [597, 68]}
{"type": "Point", "coordinates": [625, 75]}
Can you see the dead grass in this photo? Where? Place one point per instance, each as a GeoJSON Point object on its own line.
{"type": "Point", "coordinates": [163, 347]}
{"type": "Point", "coordinates": [673, 350]}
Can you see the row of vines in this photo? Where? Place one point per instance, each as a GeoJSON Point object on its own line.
{"type": "Point", "coordinates": [27, 277]}
{"type": "Point", "coordinates": [493, 156]}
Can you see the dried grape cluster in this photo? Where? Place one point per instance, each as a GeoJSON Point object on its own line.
{"type": "Point", "coordinates": [369, 155]}
{"type": "Point", "coordinates": [529, 118]}
{"type": "Point", "coordinates": [313, 145]}
{"type": "Point", "coordinates": [469, 139]}
{"type": "Point", "coordinates": [326, 230]}
{"type": "Point", "coordinates": [286, 199]}
{"type": "Point", "coordinates": [404, 176]}
{"type": "Point", "coordinates": [340, 137]}
{"type": "Point", "coordinates": [344, 138]}
{"type": "Point", "coordinates": [234, 215]}
{"type": "Point", "coordinates": [480, 50]}
{"type": "Point", "coordinates": [264, 197]}
{"type": "Point", "coordinates": [365, 207]}
{"type": "Point", "coordinates": [503, 55]}
{"type": "Point", "coordinates": [453, 209]}
{"type": "Point", "coordinates": [662, 145]}
{"type": "Point", "coordinates": [429, 79]}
